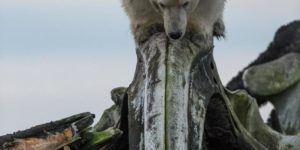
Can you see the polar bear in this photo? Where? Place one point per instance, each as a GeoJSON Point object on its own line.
{"type": "Point", "coordinates": [204, 17]}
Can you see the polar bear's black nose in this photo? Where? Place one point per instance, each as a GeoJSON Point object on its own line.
{"type": "Point", "coordinates": [175, 35]}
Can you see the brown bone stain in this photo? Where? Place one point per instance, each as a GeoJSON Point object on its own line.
{"type": "Point", "coordinates": [51, 142]}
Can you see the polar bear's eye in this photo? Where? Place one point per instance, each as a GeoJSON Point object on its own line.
{"type": "Point", "coordinates": [156, 5]}
{"type": "Point", "coordinates": [162, 5]}
{"type": "Point", "coordinates": [185, 4]}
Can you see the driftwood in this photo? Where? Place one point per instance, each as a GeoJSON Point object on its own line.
{"type": "Point", "coordinates": [50, 136]}
{"type": "Point", "coordinates": [70, 133]}
{"type": "Point", "coordinates": [176, 101]}
{"type": "Point", "coordinates": [177, 91]}
{"type": "Point", "coordinates": [167, 100]}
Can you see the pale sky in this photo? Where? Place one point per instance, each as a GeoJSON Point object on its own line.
{"type": "Point", "coordinates": [62, 57]}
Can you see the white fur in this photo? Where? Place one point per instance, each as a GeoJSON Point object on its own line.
{"type": "Point", "coordinates": [201, 15]}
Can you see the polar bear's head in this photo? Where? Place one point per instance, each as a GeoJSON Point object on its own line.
{"type": "Point", "coordinates": [175, 14]}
